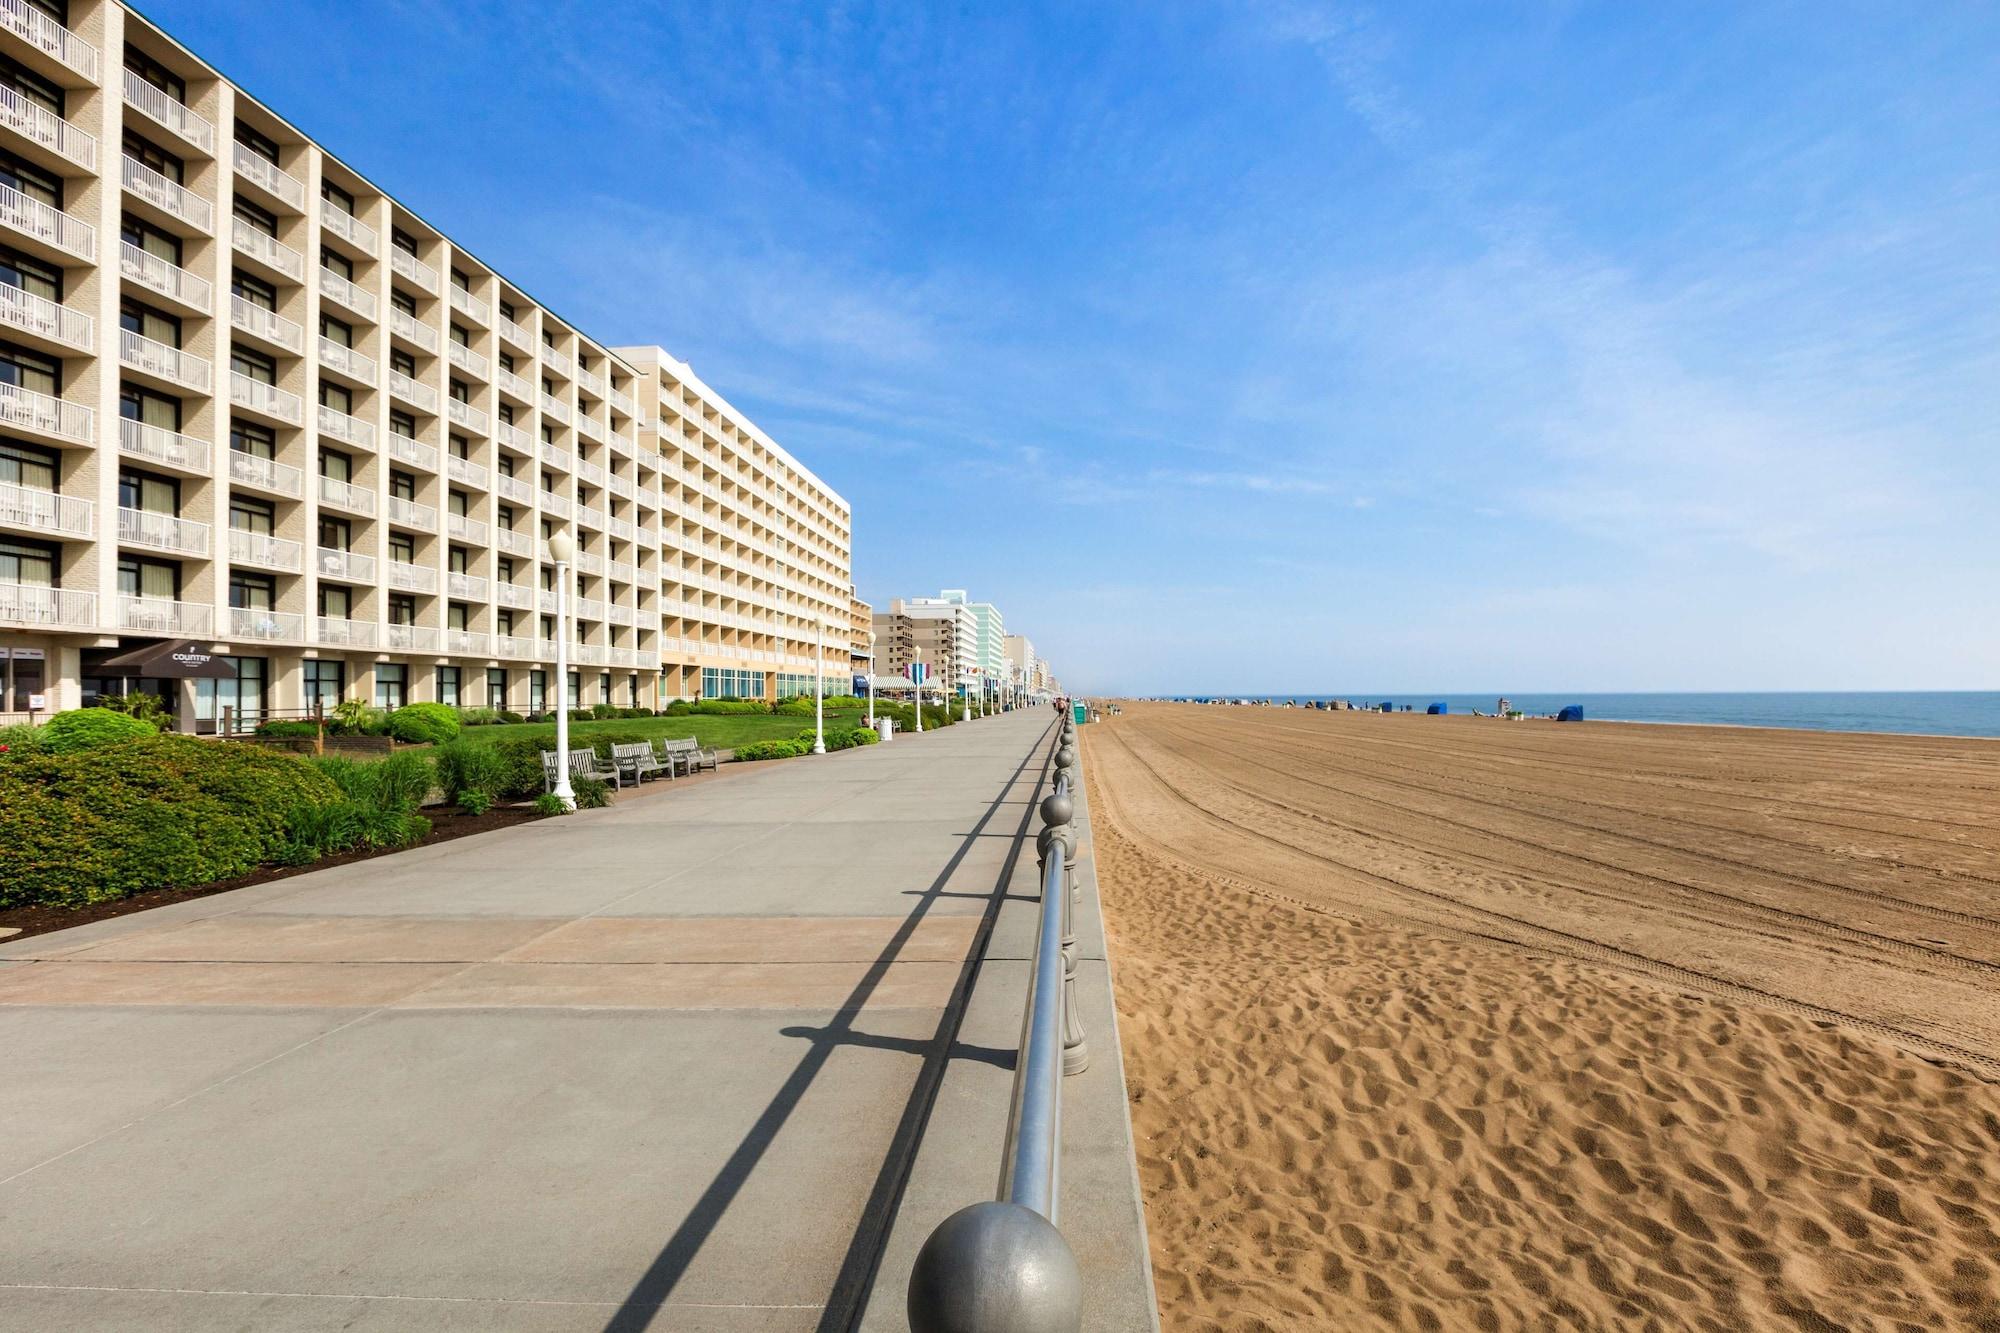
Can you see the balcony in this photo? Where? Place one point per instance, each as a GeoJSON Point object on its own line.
{"type": "Point", "coordinates": [414, 452]}
{"type": "Point", "coordinates": [44, 512]}
{"type": "Point", "coordinates": [619, 486]}
{"type": "Point", "coordinates": [514, 334]}
{"type": "Point", "coordinates": [589, 427]}
{"type": "Point", "coordinates": [559, 362]}
{"type": "Point", "coordinates": [348, 227]}
{"type": "Point", "coordinates": [269, 325]}
{"type": "Point", "coordinates": [189, 290]}
{"type": "Point", "coordinates": [338, 425]}
{"type": "Point", "coordinates": [405, 325]}
{"type": "Point", "coordinates": [156, 615]}
{"type": "Point", "coordinates": [622, 403]}
{"type": "Point", "coordinates": [466, 587]}
{"type": "Point", "coordinates": [33, 26]}
{"type": "Point", "coordinates": [407, 265]}
{"type": "Point", "coordinates": [22, 311]}
{"type": "Point", "coordinates": [466, 529]}
{"type": "Point", "coordinates": [514, 489]}
{"type": "Point", "coordinates": [466, 415]}
{"type": "Point", "coordinates": [250, 622]}
{"type": "Point", "coordinates": [337, 288]}
{"type": "Point", "coordinates": [467, 360]}
{"type": "Point", "coordinates": [157, 444]}
{"type": "Point", "coordinates": [24, 409]}
{"type": "Point", "coordinates": [346, 495]}
{"type": "Point", "coordinates": [50, 226]}
{"type": "Point", "coordinates": [39, 125]}
{"type": "Point", "coordinates": [467, 471]}
{"type": "Point", "coordinates": [162, 532]}
{"type": "Point", "coordinates": [512, 542]}
{"type": "Point", "coordinates": [266, 552]}
{"type": "Point", "coordinates": [419, 395]}
{"type": "Point", "coordinates": [464, 642]}
{"type": "Point", "coordinates": [562, 460]}
{"type": "Point", "coordinates": [558, 505]}
{"type": "Point", "coordinates": [514, 386]}
{"type": "Point", "coordinates": [265, 474]}
{"type": "Point", "coordinates": [410, 638]}
{"type": "Point", "coordinates": [515, 438]}
{"type": "Point", "coordinates": [511, 645]}
{"type": "Point", "coordinates": [268, 399]}
{"type": "Point", "coordinates": [412, 578]}
{"type": "Point", "coordinates": [47, 608]}
{"type": "Point", "coordinates": [149, 356]}
{"type": "Point", "coordinates": [344, 360]}
{"type": "Point", "coordinates": [267, 250]}
{"type": "Point", "coordinates": [470, 306]}
{"type": "Point", "coordinates": [514, 595]}
{"type": "Point", "coordinates": [590, 516]}
{"type": "Point", "coordinates": [168, 196]}
{"type": "Point", "coordinates": [344, 633]}
{"type": "Point", "coordinates": [593, 473]}
{"type": "Point", "coordinates": [552, 406]}
{"type": "Point", "coordinates": [590, 381]}
{"type": "Point", "coordinates": [412, 515]}
{"type": "Point", "coordinates": [347, 566]}
{"type": "Point", "coordinates": [161, 108]}
{"type": "Point", "coordinates": [270, 177]}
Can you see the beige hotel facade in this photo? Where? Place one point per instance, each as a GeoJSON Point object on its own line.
{"type": "Point", "coordinates": [249, 400]}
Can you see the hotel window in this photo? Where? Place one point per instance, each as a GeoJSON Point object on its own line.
{"type": "Point", "coordinates": [336, 396]}
{"type": "Point", "coordinates": [252, 592]}
{"type": "Point", "coordinates": [604, 687]}
{"type": "Point", "coordinates": [336, 534]}
{"type": "Point", "coordinates": [506, 413]}
{"type": "Point", "coordinates": [632, 691]}
{"type": "Point", "coordinates": [244, 694]}
{"type": "Point", "coordinates": [153, 494]}
{"type": "Point", "coordinates": [158, 580]}
{"type": "Point", "coordinates": [496, 687]}
{"type": "Point", "coordinates": [503, 515]}
{"type": "Point", "coordinates": [402, 548]}
{"type": "Point", "coordinates": [503, 569]}
{"type": "Point", "coordinates": [259, 144]}
{"type": "Point", "coordinates": [460, 281]}
{"type": "Point", "coordinates": [336, 466]}
{"type": "Point", "coordinates": [447, 678]}
{"type": "Point", "coordinates": [22, 672]}
{"type": "Point", "coordinates": [460, 336]}
{"type": "Point", "coordinates": [257, 441]}
{"type": "Point", "coordinates": [28, 274]}
{"type": "Point", "coordinates": [28, 466]}
{"type": "Point", "coordinates": [402, 362]}
{"type": "Point", "coordinates": [336, 602]}
{"type": "Point", "coordinates": [33, 88]}
{"type": "Point", "coordinates": [253, 365]}
{"type": "Point", "coordinates": [402, 301]}
{"type": "Point", "coordinates": [342, 266]}
{"type": "Point", "coordinates": [153, 72]}
{"type": "Point", "coordinates": [336, 331]}
{"type": "Point", "coordinates": [253, 291]}
{"type": "Point", "coordinates": [147, 153]}
{"type": "Point", "coordinates": [457, 504]}
{"type": "Point", "coordinates": [402, 240]}
{"type": "Point", "coordinates": [248, 515]}
{"type": "Point", "coordinates": [507, 311]}
{"type": "Point", "coordinates": [458, 560]}
{"type": "Point", "coordinates": [575, 689]}
{"type": "Point", "coordinates": [505, 621]}
{"type": "Point", "coordinates": [402, 609]}
{"type": "Point", "coordinates": [392, 682]}
{"type": "Point", "coordinates": [257, 219]}
{"type": "Point", "coordinates": [28, 564]}
{"type": "Point", "coordinates": [538, 691]}
{"type": "Point", "coordinates": [42, 186]}
{"type": "Point", "coordinates": [461, 392]}
{"type": "Point", "coordinates": [507, 362]}
{"type": "Point", "coordinates": [142, 319]}
{"type": "Point", "coordinates": [325, 682]}
{"type": "Point", "coordinates": [403, 486]}
{"type": "Point", "coordinates": [336, 196]}
{"type": "Point", "coordinates": [403, 424]}
{"type": "Point", "coordinates": [460, 447]}
{"type": "Point", "coordinates": [30, 370]}
{"type": "Point", "coordinates": [456, 616]}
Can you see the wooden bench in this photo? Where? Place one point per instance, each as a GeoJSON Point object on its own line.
{"type": "Point", "coordinates": [638, 760]}
{"type": "Point", "coordinates": [582, 764]}
{"type": "Point", "coordinates": [689, 753]}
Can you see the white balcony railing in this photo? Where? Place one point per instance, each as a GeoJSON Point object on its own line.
{"type": "Point", "coordinates": [418, 394]}
{"type": "Point", "coordinates": [465, 414]}
{"type": "Point", "coordinates": [348, 227]}
{"type": "Point", "coordinates": [467, 360]}
{"type": "Point", "coordinates": [34, 26]}
{"type": "Point", "coordinates": [589, 427]}
{"type": "Point", "coordinates": [590, 516]}
{"type": "Point", "coordinates": [253, 622]}
{"type": "Point", "coordinates": [157, 615]}
{"type": "Point", "coordinates": [469, 305]}
{"type": "Point", "coordinates": [588, 562]}
{"type": "Point", "coordinates": [51, 226]}
{"type": "Point", "coordinates": [153, 357]}
{"type": "Point", "coordinates": [562, 460]}
{"type": "Point", "coordinates": [412, 578]}
{"type": "Point", "coordinates": [513, 488]}
{"type": "Point", "coordinates": [26, 312]}
{"type": "Point", "coordinates": [514, 438]}
{"type": "Point", "coordinates": [169, 196]}
{"type": "Point", "coordinates": [159, 106]}
{"type": "Point", "coordinates": [590, 380]}
{"type": "Point", "coordinates": [402, 262]}
{"type": "Point", "coordinates": [514, 385]}
{"type": "Point", "coordinates": [29, 410]}
{"type": "Point", "coordinates": [410, 638]}
{"type": "Point", "coordinates": [349, 429]}
{"type": "Point", "coordinates": [272, 251]}
{"type": "Point", "coordinates": [513, 645]}
{"type": "Point", "coordinates": [347, 496]}
{"type": "Point", "coordinates": [266, 398]}
{"type": "Point", "coordinates": [558, 361]}
{"type": "Point", "coordinates": [254, 167]}
{"type": "Point", "coordinates": [347, 566]}
{"type": "Point", "coordinates": [162, 532]}
{"type": "Point", "coordinates": [557, 505]}
{"type": "Point", "coordinates": [514, 595]}
{"type": "Point", "coordinates": [512, 542]}
{"type": "Point", "coordinates": [31, 604]}
{"type": "Point", "coordinates": [44, 511]}
{"type": "Point", "coordinates": [157, 444]}
{"type": "Point", "coordinates": [467, 471]}
{"type": "Point", "coordinates": [344, 360]}
{"type": "Point", "coordinates": [622, 402]}
{"type": "Point", "coordinates": [266, 474]}
{"type": "Point", "coordinates": [411, 514]}
{"type": "Point", "coordinates": [553, 406]}
{"type": "Point", "coordinates": [35, 122]}
{"type": "Point", "coordinates": [347, 293]}
{"type": "Point", "coordinates": [466, 642]}
{"type": "Point", "coordinates": [514, 333]}
{"type": "Point", "coordinates": [414, 452]}
{"type": "Point", "coordinates": [168, 279]}
{"type": "Point", "coordinates": [466, 529]}
{"type": "Point", "coordinates": [267, 324]}
{"type": "Point", "coordinates": [406, 324]}
{"type": "Point", "coordinates": [467, 587]}
{"type": "Point", "coordinates": [340, 633]}
{"type": "Point", "coordinates": [265, 551]}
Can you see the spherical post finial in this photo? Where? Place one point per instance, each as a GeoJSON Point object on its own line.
{"type": "Point", "coordinates": [996, 1268]}
{"type": "Point", "coordinates": [1065, 757]}
{"type": "Point", "coordinates": [1057, 810]}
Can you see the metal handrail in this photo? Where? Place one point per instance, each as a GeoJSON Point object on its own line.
{"type": "Point", "coordinates": [1003, 1266]}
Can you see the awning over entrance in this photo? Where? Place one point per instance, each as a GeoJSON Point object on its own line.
{"type": "Point", "coordinates": [176, 659]}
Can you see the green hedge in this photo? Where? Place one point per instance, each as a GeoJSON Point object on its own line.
{"type": "Point", "coordinates": [424, 724]}
{"type": "Point", "coordinates": [88, 728]}
{"type": "Point", "coordinates": [158, 812]}
{"type": "Point", "coordinates": [790, 749]}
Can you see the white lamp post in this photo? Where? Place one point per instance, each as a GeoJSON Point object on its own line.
{"type": "Point", "coordinates": [819, 685]}
{"type": "Point", "coordinates": [562, 550]}
{"type": "Point", "coordinates": [871, 679]}
{"type": "Point", "coordinates": [917, 660]}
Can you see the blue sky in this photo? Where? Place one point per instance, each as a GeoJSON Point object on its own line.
{"type": "Point", "coordinates": [1279, 346]}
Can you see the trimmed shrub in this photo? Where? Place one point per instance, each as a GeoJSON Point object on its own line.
{"type": "Point", "coordinates": [396, 785]}
{"type": "Point", "coordinates": [678, 708]}
{"type": "Point", "coordinates": [799, 707]}
{"type": "Point", "coordinates": [165, 811]}
{"type": "Point", "coordinates": [288, 730]}
{"type": "Point", "coordinates": [508, 715]}
{"type": "Point", "coordinates": [424, 724]}
{"type": "Point", "coordinates": [591, 794]}
{"type": "Point", "coordinates": [780, 749]}
{"type": "Point", "coordinates": [548, 803]}
{"type": "Point", "coordinates": [21, 740]}
{"type": "Point", "coordinates": [730, 707]}
{"type": "Point", "coordinates": [475, 802]}
{"type": "Point", "coordinates": [88, 728]}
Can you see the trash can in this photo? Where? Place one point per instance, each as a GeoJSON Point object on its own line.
{"type": "Point", "coordinates": [883, 728]}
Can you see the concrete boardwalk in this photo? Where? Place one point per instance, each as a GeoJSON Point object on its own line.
{"type": "Point", "coordinates": [653, 1066]}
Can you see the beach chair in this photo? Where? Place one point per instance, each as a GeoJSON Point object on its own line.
{"type": "Point", "coordinates": [689, 753]}
{"type": "Point", "coordinates": [582, 764]}
{"type": "Point", "coordinates": [638, 760]}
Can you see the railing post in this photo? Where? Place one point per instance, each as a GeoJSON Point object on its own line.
{"type": "Point", "coordinates": [1076, 1053]}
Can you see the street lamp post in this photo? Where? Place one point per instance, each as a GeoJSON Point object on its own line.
{"type": "Point", "coordinates": [871, 679]}
{"type": "Point", "coordinates": [917, 660]}
{"type": "Point", "coordinates": [562, 550]}
{"type": "Point", "coordinates": [819, 685]}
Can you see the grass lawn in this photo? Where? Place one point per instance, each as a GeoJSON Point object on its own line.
{"type": "Point", "coordinates": [722, 733]}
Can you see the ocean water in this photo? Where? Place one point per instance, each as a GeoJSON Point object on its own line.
{"type": "Point", "coordinates": [1938, 713]}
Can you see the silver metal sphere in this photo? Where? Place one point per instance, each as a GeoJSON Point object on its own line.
{"type": "Point", "coordinates": [1065, 756]}
{"type": "Point", "coordinates": [1057, 809]}
{"type": "Point", "coordinates": [996, 1268]}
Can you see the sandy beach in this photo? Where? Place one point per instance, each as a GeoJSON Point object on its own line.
{"type": "Point", "coordinates": [1440, 1023]}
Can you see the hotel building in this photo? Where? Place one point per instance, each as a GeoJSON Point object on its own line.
{"type": "Point", "coordinates": [249, 400]}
